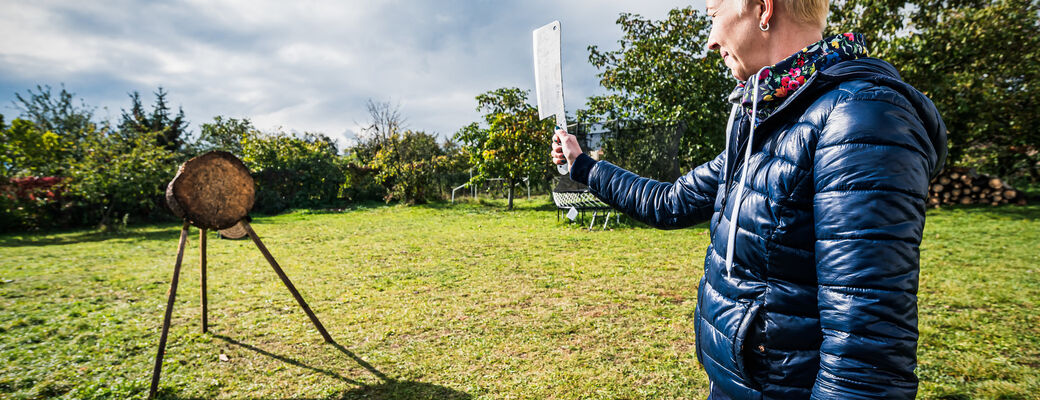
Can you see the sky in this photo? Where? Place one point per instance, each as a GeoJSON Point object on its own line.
{"type": "Point", "coordinates": [302, 66]}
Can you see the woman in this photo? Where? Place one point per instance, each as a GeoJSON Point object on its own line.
{"type": "Point", "coordinates": [816, 207]}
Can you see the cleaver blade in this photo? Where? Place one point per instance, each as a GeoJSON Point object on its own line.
{"type": "Point", "coordinates": [548, 77]}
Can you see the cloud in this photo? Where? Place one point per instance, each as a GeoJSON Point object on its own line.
{"type": "Point", "coordinates": [302, 65]}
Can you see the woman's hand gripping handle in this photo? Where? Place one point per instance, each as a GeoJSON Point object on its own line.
{"type": "Point", "coordinates": [565, 150]}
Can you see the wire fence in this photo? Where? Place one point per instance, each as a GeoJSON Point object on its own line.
{"type": "Point", "coordinates": [649, 149]}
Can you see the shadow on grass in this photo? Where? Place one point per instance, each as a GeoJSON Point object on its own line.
{"type": "Point", "coordinates": [359, 206]}
{"type": "Point", "coordinates": [398, 390]}
{"type": "Point", "coordinates": [297, 363]}
{"type": "Point", "coordinates": [597, 221]}
{"type": "Point", "coordinates": [394, 390]}
{"type": "Point", "coordinates": [519, 204]}
{"type": "Point", "coordinates": [170, 233]}
{"type": "Point", "coordinates": [389, 389]}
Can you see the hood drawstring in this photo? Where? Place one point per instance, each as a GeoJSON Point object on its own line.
{"type": "Point", "coordinates": [729, 129]}
{"type": "Point", "coordinates": [734, 98]}
{"type": "Point", "coordinates": [743, 175]}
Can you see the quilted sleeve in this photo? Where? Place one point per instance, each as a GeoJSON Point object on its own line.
{"type": "Point", "coordinates": [871, 170]}
{"type": "Point", "coordinates": [687, 201]}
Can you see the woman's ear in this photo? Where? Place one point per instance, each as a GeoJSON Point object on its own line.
{"type": "Point", "coordinates": [766, 15]}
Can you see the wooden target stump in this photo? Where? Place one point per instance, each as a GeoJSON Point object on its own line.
{"type": "Point", "coordinates": [215, 191]}
{"type": "Point", "coordinates": [212, 191]}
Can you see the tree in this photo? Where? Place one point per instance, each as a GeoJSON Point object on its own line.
{"type": "Point", "coordinates": [386, 121]}
{"type": "Point", "coordinates": [515, 142]}
{"type": "Point", "coordinates": [91, 173]}
{"type": "Point", "coordinates": [120, 177]}
{"type": "Point", "coordinates": [29, 191]}
{"type": "Point", "coordinates": [662, 73]}
{"type": "Point", "coordinates": [293, 171]}
{"type": "Point", "coordinates": [25, 150]}
{"type": "Point", "coordinates": [59, 115]}
{"type": "Point", "coordinates": [170, 132]}
{"type": "Point", "coordinates": [408, 166]}
{"type": "Point", "coordinates": [225, 134]}
{"type": "Point", "coordinates": [978, 60]}
{"type": "Point", "coordinates": [405, 161]}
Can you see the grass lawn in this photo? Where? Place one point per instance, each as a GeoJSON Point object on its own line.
{"type": "Point", "coordinates": [459, 302]}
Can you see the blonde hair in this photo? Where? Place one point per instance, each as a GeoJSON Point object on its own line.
{"type": "Point", "coordinates": [811, 12]}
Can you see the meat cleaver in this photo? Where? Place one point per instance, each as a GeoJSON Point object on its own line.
{"type": "Point", "coordinates": [548, 77]}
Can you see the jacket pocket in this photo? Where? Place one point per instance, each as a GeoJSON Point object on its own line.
{"type": "Point", "coordinates": [740, 338]}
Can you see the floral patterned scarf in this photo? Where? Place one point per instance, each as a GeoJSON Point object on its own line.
{"type": "Point", "coordinates": [783, 79]}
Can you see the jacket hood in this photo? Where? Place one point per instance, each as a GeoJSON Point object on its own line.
{"type": "Point", "coordinates": [882, 73]}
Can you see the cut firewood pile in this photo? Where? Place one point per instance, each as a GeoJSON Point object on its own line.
{"type": "Point", "coordinates": [965, 186]}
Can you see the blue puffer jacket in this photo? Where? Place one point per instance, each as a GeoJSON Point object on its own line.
{"type": "Point", "coordinates": [821, 298]}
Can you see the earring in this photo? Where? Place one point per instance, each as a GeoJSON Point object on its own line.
{"type": "Point", "coordinates": [764, 27]}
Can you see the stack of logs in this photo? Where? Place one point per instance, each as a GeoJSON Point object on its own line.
{"type": "Point", "coordinates": [965, 186]}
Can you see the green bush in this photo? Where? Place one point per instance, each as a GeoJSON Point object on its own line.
{"type": "Point", "coordinates": [407, 166]}
{"type": "Point", "coordinates": [30, 202]}
{"type": "Point", "coordinates": [294, 172]}
{"type": "Point", "coordinates": [360, 184]}
{"type": "Point", "coordinates": [119, 177]}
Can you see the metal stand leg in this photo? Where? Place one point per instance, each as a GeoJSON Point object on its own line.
{"type": "Point", "coordinates": [286, 281]}
{"type": "Point", "coordinates": [202, 270]}
{"type": "Point", "coordinates": [169, 313]}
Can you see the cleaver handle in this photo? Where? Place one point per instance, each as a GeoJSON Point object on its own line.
{"type": "Point", "coordinates": [564, 168]}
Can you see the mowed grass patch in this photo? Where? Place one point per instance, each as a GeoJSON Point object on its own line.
{"type": "Point", "coordinates": [978, 304]}
{"type": "Point", "coordinates": [466, 302]}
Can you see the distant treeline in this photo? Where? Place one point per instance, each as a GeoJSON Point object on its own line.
{"type": "Point", "coordinates": [59, 166]}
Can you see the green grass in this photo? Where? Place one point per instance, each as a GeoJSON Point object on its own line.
{"type": "Point", "coordinates": [458, 302]}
